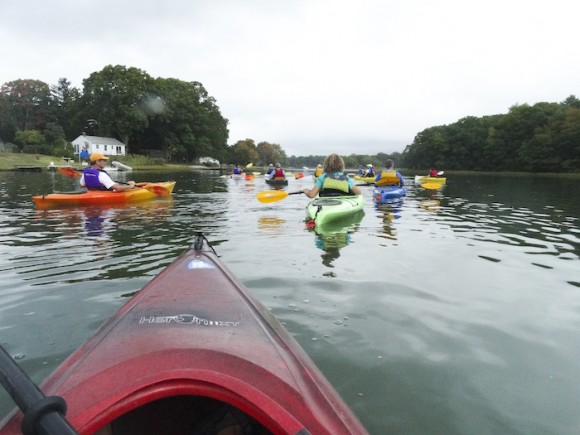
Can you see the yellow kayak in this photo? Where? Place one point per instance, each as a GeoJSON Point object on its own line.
{"type": "Point", "coordinates": [422, 180]}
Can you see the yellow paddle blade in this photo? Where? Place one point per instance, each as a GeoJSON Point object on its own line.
{"type": "Point", "coordinates": [249, 165]}
{"type": "Point", "coordinates": [271, 195]}
{"type": "Point", "coordinates": [432, 186]}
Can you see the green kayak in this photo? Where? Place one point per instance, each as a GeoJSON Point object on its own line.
{"type": "Point", "coordinates": [331, 209]}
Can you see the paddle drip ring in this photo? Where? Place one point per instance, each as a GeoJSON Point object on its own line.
{"type": "Point", "coordinates": [37, 411]}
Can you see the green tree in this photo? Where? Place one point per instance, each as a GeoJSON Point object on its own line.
{"type": "Point", "coordinates": [243, 152]}
{"type": "Point", "coordinates": [30, 141]}
{"type": "Point", "coordinates": [271, 153]}
{"type": "Point", "coordinates": [113, 97]}
{"type": "Point", "coordinates": [25, 103]}
{"type": "Point", "coordinates": [65, 102]}
{"type": "Point", "coordinates": [184, 121]}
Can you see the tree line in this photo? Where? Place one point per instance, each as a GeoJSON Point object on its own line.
{"type": "Point", "coordinates": [180, 122]}
{"type": "Point", "coordinates": [544, 137]}
{"type": "Point", "coordinates": [172, 118]}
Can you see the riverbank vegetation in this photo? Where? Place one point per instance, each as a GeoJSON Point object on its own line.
{"type": "Point", "coordinates": [178, 122]}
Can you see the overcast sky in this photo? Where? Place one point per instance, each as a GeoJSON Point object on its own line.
{"type": "Point", "coordinates": [314, 76]}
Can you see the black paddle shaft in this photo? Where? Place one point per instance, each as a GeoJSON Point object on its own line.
{"type": "Point", "coordinates": [42, 415]}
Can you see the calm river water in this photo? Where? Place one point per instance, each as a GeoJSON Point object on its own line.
{"type": "Point", "coordinates": [451, 313]}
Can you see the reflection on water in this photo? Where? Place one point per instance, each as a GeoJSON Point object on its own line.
{"type": "Point", "coordinates": [334, 236]}
{"type": "Point", "coordinates": [271, 223]}
{"type": "Point", "coordinates": [388, 213]}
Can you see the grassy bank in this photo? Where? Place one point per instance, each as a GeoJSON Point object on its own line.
{"type": "Point", "coordinates": [9, 161]}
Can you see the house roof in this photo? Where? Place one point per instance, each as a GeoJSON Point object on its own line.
{"type": "Point", "coordinates": [99, 140]}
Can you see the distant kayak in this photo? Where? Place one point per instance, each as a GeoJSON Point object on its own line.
{"type": "Point", "coordinates": [370, 180]}
{"type": "Point", "coordinates": [144, 191]}
{"type": "Point", "coordinates": [277, 181]}
{"type": "Point", "coordinates": [383, 194]}
{"type": "Point", "coordinates": [193, 348]}
{"type": "Point", "coordinates": [330, 209]}
{"type": "Point", "coordinates": [421, 180]}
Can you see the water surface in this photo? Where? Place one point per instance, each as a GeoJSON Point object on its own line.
{"type": "Point", "coordinates": [451, 312]}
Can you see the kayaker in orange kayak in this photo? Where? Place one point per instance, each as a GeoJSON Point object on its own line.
{"type": "Point", "coordinates": [96, 178]}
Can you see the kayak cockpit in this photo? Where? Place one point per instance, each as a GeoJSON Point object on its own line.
{"type": "Point", "coordinates": [187, 415]}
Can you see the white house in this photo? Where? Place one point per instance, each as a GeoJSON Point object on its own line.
{"type": "Point", "coordinates": [92, 144]}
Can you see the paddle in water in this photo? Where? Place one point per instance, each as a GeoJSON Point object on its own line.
{"type": "Point", "coordinates": [42, 414]}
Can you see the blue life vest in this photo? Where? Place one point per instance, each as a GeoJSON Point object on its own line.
{"type": "Point", "coordinates": [92, 179]}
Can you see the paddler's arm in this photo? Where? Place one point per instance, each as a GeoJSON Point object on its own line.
{"type": "Point", "coordinates": [122, 187]}
{"type": "Point", "coordinates": [311, 193]}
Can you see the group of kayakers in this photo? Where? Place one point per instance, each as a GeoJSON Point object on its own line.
{"type": "Point", "coordinates": [333, 181]}
{"type": "Point", "coordinates": [96, 178]}
{"type": "Point", "coordinates": [275, 172]}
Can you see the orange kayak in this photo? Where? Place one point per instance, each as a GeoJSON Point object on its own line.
{"type": "Point", "coordinates": [143, 192]}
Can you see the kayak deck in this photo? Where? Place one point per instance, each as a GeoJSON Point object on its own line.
{"type": "Point", "coordinates": [145, 191]}
{"type": "Point", "coordinates": [382, 194]}
{"type": "Point", "coordinates": [324, 210]}
{"type": "Point", "coordinates": [191, 341]}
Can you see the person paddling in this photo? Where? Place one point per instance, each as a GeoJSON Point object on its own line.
{"type": "Point", "coordinates": [389, 176]}
{"type": "Point", "coordinates": [278, 173]}
{"type": "Point", "coordinates": [318, 172]}
{"type": "Point", "coordinates": [96, 178]}
{"type": "Point", "coordinates": [334, 181]}
{"type": "Point", "coordinates": [370, 172]}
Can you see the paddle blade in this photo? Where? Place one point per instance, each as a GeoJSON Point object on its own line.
{"type": "Point", "coordinates": [271, 195]}
{"type": "Point", "coordinates": [432, 186]}
{"type": "Point", "coordinates": [67, 171]}
{"type": "Point", "coordinates": [440, 173]}
{"type": "Point", "coordinates": [249, 165]}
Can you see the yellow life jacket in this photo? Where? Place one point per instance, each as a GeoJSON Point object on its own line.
{"type": "Point", "coordinates": [318, 172]}
{"type": "Point", "coordinates": [388, 178]}
{"type": "Point", "coordinates": [335, 185]}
